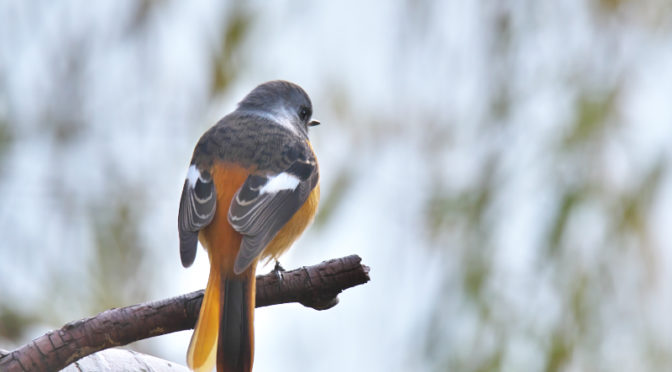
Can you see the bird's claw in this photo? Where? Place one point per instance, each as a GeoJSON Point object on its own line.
{"type": "Point", "coordinates": [278, 270]}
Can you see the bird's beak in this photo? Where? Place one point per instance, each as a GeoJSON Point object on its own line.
{"type": "Point", "coordinates": [313, 123]}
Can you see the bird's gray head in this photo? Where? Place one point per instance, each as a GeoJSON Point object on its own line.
{"type": "Point", "coordinates": [283, 102]}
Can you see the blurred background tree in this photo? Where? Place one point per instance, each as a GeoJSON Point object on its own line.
{"type": "Point", "coordinates": [502, 167]}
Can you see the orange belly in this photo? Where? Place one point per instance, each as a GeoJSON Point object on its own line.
{"type": "Point", "coordinates": [294, 227]}
{"type": "Point", "coordinates": [220, 239]}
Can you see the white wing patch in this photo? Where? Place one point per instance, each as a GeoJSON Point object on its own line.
{"type": "Point", "coordinates": [282, 181]}
{"type": "Point", "coordinates": [193, 174]}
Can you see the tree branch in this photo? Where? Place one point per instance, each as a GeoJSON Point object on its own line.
{"type": "Point", "coordinates": [313, 286]}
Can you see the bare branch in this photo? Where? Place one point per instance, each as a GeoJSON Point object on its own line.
{"type": "Point", "coordinates": [313, 286]}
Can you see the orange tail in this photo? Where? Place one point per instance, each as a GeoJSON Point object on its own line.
{"type": "Point", "coordinates": [225, 329]}
{"type": "Point", "coordinates": [235, 349]}
{"type": "Point", "coordinates": [201, 354]}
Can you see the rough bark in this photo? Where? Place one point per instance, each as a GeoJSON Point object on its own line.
{"type": "Point", "coordinates": [313, 286]}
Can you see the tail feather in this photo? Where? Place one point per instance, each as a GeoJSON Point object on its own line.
{"type": "Point", "coordinates": [236, 331]}
{"type": "Point", "coordinates": [201, 354]}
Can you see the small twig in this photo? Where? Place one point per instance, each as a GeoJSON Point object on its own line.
{"type": "Point", "coordinates": [313, 286]}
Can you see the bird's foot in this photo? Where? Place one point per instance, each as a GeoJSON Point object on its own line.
{"type": "Point", "coordinates": [278, 270]}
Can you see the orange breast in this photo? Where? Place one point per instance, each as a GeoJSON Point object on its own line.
{"type": "Point", "coordinates": [293, 229]}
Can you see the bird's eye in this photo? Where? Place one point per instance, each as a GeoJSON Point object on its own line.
{"type": "Point", "coordinates": [304, 113]}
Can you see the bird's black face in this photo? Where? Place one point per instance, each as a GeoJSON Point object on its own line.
{"type": "Point", "coordinates": [304, 114]}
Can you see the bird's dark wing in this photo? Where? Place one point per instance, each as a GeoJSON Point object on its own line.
{"type": "Point", "coordinates": [265, 203]}
{"type": "Point", "coordinates": [197, 208]}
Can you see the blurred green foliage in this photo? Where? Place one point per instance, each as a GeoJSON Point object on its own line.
{"type": "Point", "coordinates": [229, 59]}
{"type": "Point", "coordinates": [117, 275]}
{"type": "Point", "coordinates": [5, 139]}
{"type": "Point", "coordinates": [13, 321]}
{"type": "Point", "coordinates": [584, 290]}
{"type": "Point", "coordinates": [593, 111]}
{"type": "Point", "coordinates": [329, 202]}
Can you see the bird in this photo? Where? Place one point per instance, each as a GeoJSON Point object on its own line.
{"type": "Point", "coordinates": [251, 189]}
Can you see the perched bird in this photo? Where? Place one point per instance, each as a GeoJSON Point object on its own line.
{"type": "Point", "coordinates": [251, 189]}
